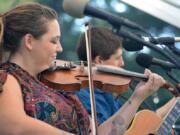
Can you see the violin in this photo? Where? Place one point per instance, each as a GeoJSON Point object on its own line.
{"type": "Point", "coordinates": [70, 77]}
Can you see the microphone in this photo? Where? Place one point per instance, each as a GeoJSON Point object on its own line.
{"type": "Point", "coordinates": [162, 40]}
{"type": "Point", "coordinates": [79, 8]}
{"type": "Point", "coordinates": [146, 61]}
{"type": "Point", "coordinates": [131, 45]}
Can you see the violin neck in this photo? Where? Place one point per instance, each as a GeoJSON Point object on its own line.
{"type": "Point", "coordinates": [134, 75]}
{"type": "Point", "coordinates": [122, 72]}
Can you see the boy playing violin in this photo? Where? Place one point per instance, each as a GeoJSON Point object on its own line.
{"type": "Point", "coordinates": [107, 50]}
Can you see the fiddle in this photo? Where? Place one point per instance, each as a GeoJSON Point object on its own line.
{"type": "Point", "coordinates": [70, 77]}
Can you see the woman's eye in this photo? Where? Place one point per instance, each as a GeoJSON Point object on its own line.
{"type": "Point", "coordinates": [54, 42]}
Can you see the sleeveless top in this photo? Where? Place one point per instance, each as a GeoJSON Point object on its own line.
{"type": "Point", "coordinates": [62, 110]}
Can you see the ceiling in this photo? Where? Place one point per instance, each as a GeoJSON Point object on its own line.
{"type": "Point", "coordinates": [166, 10]}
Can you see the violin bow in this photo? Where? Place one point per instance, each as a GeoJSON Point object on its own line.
{"type": "Point", "coordinates": [90, 79]}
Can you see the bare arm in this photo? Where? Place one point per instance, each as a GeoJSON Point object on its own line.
{"type": "Point", "coordinates": [119, 122]}
{"type": "Point", "coordinates": [14, 120]}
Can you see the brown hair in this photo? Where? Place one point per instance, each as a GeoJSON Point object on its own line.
{"type": "Point", "coordinates": [103, 41]}
{"type": "Point", "coordinates": [26, 18]}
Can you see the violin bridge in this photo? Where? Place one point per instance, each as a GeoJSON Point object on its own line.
{"type": "Point", "coordinates": [81, 66]}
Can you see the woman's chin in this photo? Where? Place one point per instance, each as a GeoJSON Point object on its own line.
{"type": "Point", "coordinates": [45, 67]}
{"type": "Point", "coordinates": [48, 65]}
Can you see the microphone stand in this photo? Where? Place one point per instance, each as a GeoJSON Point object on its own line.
{"type": "Point", "coordinates": [169, 73]}
{"type": "Point", "coordinates": [174, 49]}
{"type": "Point", "coordinates": [168, 53]}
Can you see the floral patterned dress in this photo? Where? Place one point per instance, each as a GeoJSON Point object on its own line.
{"type": "Point", "coordinates": [62, 110]}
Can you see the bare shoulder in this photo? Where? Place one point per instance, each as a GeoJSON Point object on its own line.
{"type": "Point", "coordinates": [11, 86]}
{"type": "Point", "coordinates": [11, 96]}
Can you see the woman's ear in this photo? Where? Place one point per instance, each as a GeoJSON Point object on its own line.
{"type": "Point", "coordinates": [28, 41]}
{"type": "Point", "coordinates": [98, 60]}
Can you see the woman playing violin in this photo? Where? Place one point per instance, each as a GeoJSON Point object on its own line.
{"type": "Point", "coordinates": [29, 39]}
{"type": "Point", "coordinates": [106, 49]}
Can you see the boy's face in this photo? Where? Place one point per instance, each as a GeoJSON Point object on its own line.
{"type": "Point", "coordinates": [115, 59]}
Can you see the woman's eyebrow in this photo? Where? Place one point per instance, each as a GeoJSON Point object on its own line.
{"type": "Point", "coordinates": [56, 37]}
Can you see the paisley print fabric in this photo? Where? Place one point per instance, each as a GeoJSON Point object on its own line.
{"type": "Point", "coordinates": [62, 110]}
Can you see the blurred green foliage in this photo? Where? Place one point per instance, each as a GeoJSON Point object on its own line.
{"type": "Point", "coordinates": [7, 4]}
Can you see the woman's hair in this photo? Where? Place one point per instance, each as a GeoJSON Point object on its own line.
{"type": "Point", "coordinates": [29, 18]}
{"type": "Point", "coordinates": [103, 41]}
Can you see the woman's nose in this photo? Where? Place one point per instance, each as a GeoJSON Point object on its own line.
{"type": "Point", "coordinates": [59, 48]}
{"type": "Point", "coordinates": [121, 63]}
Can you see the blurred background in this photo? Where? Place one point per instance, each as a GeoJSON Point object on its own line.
{"type": "Point", "coordinates": [158, 17]}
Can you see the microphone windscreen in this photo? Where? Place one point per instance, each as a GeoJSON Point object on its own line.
{"type": "Point", "coordinates": [131, 45]}
{"type": "Point", "coordinates": [166, 40]}
{"type": "Point", "coordinates": [75, 8]}
{"type": "Point", "coordinates": [144, 60]}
